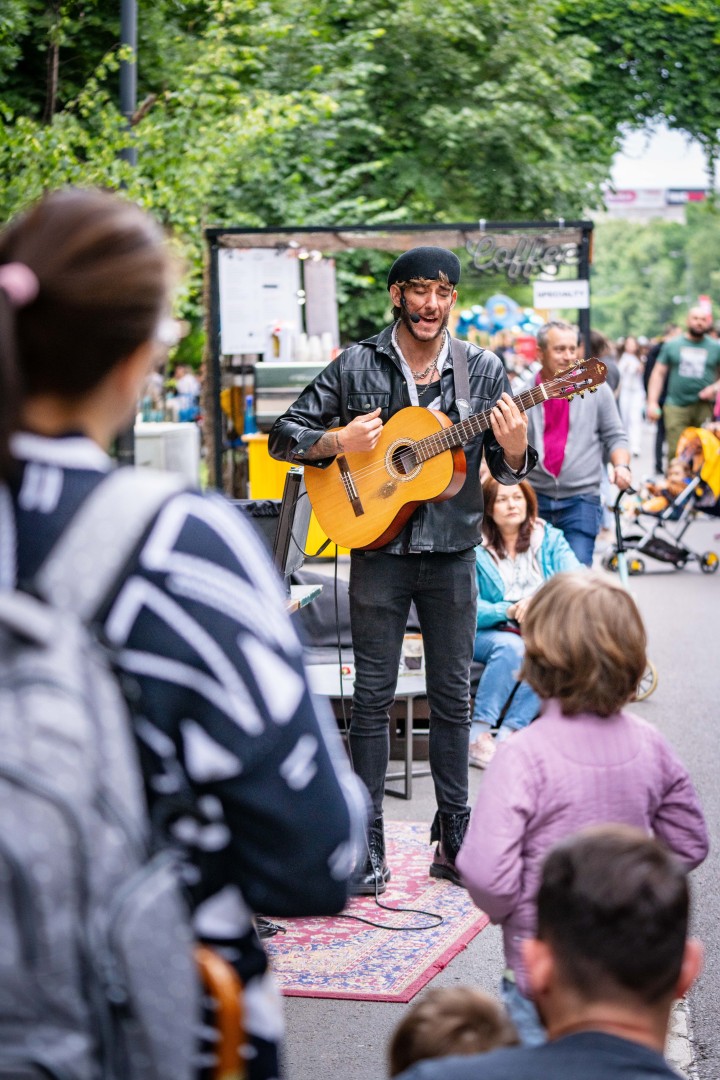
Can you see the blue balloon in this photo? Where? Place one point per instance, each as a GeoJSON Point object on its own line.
{"type": "Point", "coordinates": [502, 311]}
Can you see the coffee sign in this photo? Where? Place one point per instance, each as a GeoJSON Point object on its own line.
{"type": "Point", "coordinates": [521, 258]}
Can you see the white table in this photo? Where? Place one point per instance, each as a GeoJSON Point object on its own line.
{"type": "Point", "coordinates": [327, 681]}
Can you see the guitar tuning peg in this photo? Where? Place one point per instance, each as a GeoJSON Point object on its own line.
{"type": "Point", "coordinates": [570, 397]}
{"type": "Point", "coordinates": [581, 393]}
{"type": "Point", "coordinates": [594, 389]}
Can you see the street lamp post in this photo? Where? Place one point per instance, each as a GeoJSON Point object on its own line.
{"type": "Point", "coordinates": [128, 70]}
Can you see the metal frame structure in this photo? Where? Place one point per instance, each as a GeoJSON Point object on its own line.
{"type": "Point", "coordinates": [390, 238]}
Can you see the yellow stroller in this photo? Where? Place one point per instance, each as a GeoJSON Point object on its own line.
{"type": "Point", "coordinates": [663, 537]}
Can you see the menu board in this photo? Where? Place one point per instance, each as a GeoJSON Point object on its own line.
{"type": "Point", "coordinates": [259, 290]}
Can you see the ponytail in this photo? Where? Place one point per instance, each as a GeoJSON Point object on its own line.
{"type": "Point", "coordinates": [85, 278]}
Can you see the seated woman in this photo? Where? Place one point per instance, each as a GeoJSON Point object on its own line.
{"type": "Point", "coordinates": [519, 552]}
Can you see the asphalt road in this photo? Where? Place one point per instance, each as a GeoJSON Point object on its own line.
{"type": "Point", "coordinates": [347, 1040]}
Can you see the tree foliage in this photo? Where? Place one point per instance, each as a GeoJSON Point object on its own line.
{"type": "Point", "coordinates": [654, 59]}
{"type": "Point", "coordinates": [644, 276]}
{"type": "Point", "coordinates": [452, 111]}
{"type": "Point", "coordinates": [297, 112]}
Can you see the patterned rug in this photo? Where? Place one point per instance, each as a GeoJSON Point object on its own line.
{"type": "Point", "coordinates": [338, 957]}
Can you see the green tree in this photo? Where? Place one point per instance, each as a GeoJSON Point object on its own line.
{"type": "Point", "coordinates": [646, 275]}
{"type": "Point", "coordinates": [453, 111]}
{"type": "Point", "coordinates": [281, 112]}
{"type": "Point", "coordinates": [654, 59]}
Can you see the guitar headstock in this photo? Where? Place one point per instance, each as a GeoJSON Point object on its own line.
{"type": "Point", "coordinates": [581, 376]}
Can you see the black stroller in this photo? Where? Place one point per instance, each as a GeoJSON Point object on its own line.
{"type": "Point", "coordinates": [661, 535]}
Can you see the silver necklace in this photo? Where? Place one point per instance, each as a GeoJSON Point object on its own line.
{"type": "Point", "coordinates": [430, 369]}
{"type": "Point", "coordinates": [423, 390]}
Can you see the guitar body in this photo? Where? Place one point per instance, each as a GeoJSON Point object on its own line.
{"type": "Point", "coordinates": [362, 500]}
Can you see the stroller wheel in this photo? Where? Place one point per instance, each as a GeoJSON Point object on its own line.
{"type": "Point", "coordinates": [610, 562]}
{"type": "Point", "coordinates": [636, 566]}
{"type": "Point", "coordinates": [709, 562]}
{"type": "Point", "coordinates": [647, 684]}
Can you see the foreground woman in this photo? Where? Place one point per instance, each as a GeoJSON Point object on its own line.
{"type": "Point", "coordinates": [198, 624]}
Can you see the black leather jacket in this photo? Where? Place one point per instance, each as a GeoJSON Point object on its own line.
{"type": "Point", "coordinates": [369, 375]}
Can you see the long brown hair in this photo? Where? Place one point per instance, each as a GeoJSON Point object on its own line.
{"type": "Point", "coordinates": [104, 274]}
{"type": "Point", "coordinates": [491, 533]}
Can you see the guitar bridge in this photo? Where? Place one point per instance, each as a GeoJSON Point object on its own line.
{"type": "Point", "coordinates": [349, 485]}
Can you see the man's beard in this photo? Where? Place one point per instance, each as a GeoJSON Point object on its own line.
{"type": "Point", "coordinates": [410, 325]}
{"type": "Point", "coordinates": [696, 335]}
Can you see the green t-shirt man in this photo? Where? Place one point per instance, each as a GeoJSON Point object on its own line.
{"type": "Point", "coordinates": [692, 365]}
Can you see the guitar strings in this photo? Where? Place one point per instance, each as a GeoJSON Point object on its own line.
{"type": "Point", "coordinates": [436, 441]}
{"type": "Point", "coordinates": [480, 420]}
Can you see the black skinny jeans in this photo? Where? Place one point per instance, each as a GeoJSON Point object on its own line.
{"type": "Point", "coordinates": [444, 588]}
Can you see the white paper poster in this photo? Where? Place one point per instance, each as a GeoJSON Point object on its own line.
{"type": "Point", "coordinates": [258, 290]}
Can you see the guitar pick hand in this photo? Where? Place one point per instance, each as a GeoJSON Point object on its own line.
{"type": "Point", "coordinates": [509, 426]}
{"type": "Point", "coordinates": [362, 433]}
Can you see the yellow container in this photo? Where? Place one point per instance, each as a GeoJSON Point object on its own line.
{"type": "Point", "coordinates": [267, 480]}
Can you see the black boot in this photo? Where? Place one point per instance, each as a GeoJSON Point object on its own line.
{"type": "Point", "coordinates": [447, 832]}
{"type": "Point", "coordinates": [375, 874]}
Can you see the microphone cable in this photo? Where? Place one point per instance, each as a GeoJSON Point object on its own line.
{"type": "Point", "coordinates": [438, 919]}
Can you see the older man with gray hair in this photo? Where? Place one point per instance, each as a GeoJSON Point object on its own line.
{"type": "Point", "coordinates": [572, 440]}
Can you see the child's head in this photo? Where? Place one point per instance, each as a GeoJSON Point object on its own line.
{"type": "Point", "coordinates": [449, 1020]}
{"type": "Point", "coordinates": [678, 471]}
{"type": "Point", "coordinates": [584, 643]}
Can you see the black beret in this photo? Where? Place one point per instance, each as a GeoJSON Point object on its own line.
{"type": "Point", "coordinates": [425, 262]}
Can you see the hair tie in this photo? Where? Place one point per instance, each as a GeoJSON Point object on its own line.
{"type": "Point", "coordinates": [20, 283]}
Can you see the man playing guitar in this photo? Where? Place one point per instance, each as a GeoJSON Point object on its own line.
{"type": "Point", "coordinates": [430, 559]}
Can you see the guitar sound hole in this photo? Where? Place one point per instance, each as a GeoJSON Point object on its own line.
{"type": "Point", "coordinates": [404, 460]}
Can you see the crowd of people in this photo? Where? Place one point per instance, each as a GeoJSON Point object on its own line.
{"type": "Point", "coordinates": [238, 764]}
{"type": "Point", "coordinates": [684, 390]}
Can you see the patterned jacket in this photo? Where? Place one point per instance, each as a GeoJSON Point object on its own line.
{"type": "Point", "coordinates": [199, 626]}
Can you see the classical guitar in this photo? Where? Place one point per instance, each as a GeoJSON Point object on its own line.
{"type": "Point", "coordinates": [362, 500]}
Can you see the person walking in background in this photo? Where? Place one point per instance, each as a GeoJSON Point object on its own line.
{"type": "Point", "coordinates": [224, 719]}
{"type": "Point", "coordinates": [585, 761]}
{"type": "Point", "coordinates": [691, 365]}
{"type": "Point", "coordinates": [603, 350]}
{"type": "Point", "coordinates": [670, 331]}
{"type": "Point", "coordinates": [573, 439]}
{"type": "Point", "coordinates": [631, 394]}
{"type": "Point", "coordinates": [519, 552]}
{"type": "Point", "coordinates": [608, 956]}
{"type": "Point", "coordinates": [432, 559]}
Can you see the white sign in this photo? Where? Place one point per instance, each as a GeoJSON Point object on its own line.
{"type": "Point", "coordinates": [321, 314]}
{"type": "Point", "coordinates": [259, 289]}
{"type": "Point", "coordinates": [561, 294]}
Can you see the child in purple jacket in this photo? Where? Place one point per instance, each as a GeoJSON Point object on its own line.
{"type": "Point", "coordinates": [583, 762]}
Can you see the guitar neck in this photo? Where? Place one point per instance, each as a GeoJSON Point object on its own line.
{"type": "Point", "coordinates": [458, 434]}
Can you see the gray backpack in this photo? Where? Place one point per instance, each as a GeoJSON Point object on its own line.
{"type": "Point", "coordinates": [97, 976]}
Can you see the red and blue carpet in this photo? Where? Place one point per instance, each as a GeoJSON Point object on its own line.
{"type": "Point", "coordinates": [338, 957]}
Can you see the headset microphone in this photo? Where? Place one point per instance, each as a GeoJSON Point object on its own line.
{"type": "Point", "coordinates": [414, 318]}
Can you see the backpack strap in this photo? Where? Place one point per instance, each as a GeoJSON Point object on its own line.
{"type": "Point", "coordinates": [87, 561]}
{"type": "Point", "coordinates": [460, 377]}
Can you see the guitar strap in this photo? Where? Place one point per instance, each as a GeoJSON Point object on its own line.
{"type": "Point", "coordinates": [460, 377]}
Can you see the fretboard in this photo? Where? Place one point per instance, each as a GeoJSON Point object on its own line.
{"type": "Point", "coordinates": [459, 434]}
